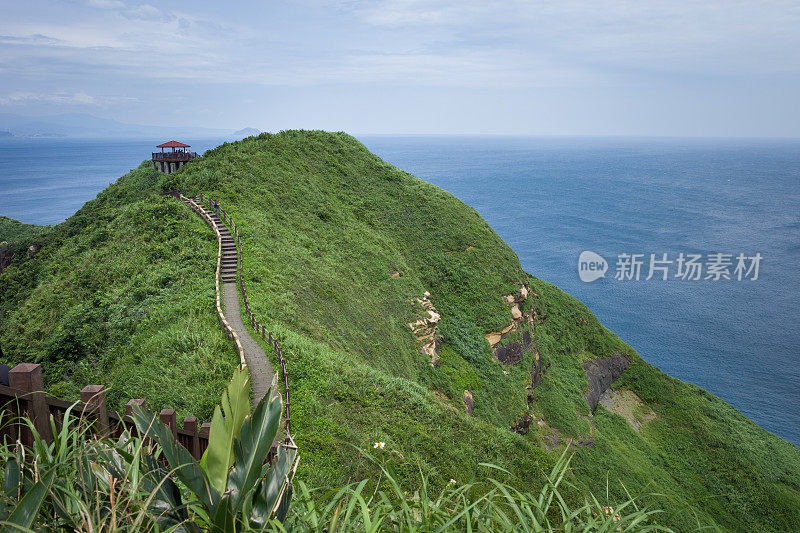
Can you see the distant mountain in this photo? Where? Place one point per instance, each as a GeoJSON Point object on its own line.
{"type": "Point", "coordinates": [86, 125]}
{"type": "Point", "coordinates": [245, 132]}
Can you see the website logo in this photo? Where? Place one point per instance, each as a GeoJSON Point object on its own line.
{"type": "Point", "coordinates": [591, 266]}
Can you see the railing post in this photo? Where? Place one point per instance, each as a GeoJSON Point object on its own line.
{"type": "Point", "coordinates": [169, 419]}
{"type": "Point", "coordinates": [129, 406]}
{"type": "Point", "coordinates": [94, 396]}
{"type": "Point", "coordinates": [27, 377]}
{"type": "Point", "coordinates": [190, 425]}
{"type": "Point", "coordinates": [205, 429]}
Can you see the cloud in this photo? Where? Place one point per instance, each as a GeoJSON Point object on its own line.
{"type": "Point", "coordinates": [712, 37]}
{"type": "Point", "coordinates": [52, 51]}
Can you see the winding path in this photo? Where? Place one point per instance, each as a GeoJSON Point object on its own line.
{"type": "Point", "coordinates": [262, 375]}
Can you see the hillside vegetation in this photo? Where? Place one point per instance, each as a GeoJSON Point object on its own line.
{"type": "Point", "coordinates": [340, 251]}
{"type": "Point", "coordinates": [120, 294]}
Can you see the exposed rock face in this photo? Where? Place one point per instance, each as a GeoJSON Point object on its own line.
{"type": "Point", "coordinates": [5, 256]}
{"type": "Point", "coordinates": [425, 328]}
{"type": "Point", "coordinates": [629, 406]}
{"type": "Point", "coordinates": [521, 426]}
{"type": "Point", "coordinates": [469, 401]}
{"type": "Point", "coordinates": [512, 352]}
{"type": "Point", "coordinates": [517, 316]}
{"type": "Point", "coordinates": [601, 373]}
{"type": "Point", "coordinates": [32, 250]}
{"type": "Point", "coordinates": [509, 354]}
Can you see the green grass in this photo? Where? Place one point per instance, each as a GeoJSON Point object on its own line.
{"type": "Point", "coordinates": [14, 230]}
{"type": "Point", "coordinates": [324, 225]}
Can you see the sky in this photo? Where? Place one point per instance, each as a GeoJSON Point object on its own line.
{"type": "Point", "coordinates": [564, 67]}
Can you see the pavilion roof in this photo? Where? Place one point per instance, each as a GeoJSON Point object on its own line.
{"type": "Point", "coordinates": [173, 144]}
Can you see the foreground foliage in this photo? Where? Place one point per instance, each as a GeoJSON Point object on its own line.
{"type": "Point", "coordinates": [83, 484]}
{"type": "Point", "coordinates": [150, 481]}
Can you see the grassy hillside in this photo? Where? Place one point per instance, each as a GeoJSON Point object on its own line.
{"type": "Point", "coordinates": [339, 244]}
{"type": "Point", "coordinates": [340, 250]}
{"type": "Point", "coordinates": [121, 294]}
{"type": "Point", "coordinates": [14, 230]}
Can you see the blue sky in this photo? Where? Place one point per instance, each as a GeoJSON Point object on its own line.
{"type": "Point", "coordinates": [707, 68]}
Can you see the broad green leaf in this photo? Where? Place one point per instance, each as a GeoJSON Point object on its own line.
{"type": "Point", "coordinates": [224, 519]}
{"type": "Point", "coordinates": [226, 425]}
{"type": "Point", "coordinates": [28, 507]}
{"type": "Point", "coordinates": [251, 449]}
{"type": "Point", "coordinates": [178, 457]}
{"type": "Point", "coordinates": [274, 491]}
{"type": "Point", "coordinates": [12, 479]}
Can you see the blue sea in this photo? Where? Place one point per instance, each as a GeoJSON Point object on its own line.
{"type": "Point", "coordinates": [553, 198]}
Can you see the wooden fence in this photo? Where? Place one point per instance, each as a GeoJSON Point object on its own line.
{"type": "Point", "coordinates": [257, 326]}
{"type": "Point", "coordinates": [25, 396]}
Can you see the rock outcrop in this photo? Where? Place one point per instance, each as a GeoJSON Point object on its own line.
{"type": "Point", "coordinates": [629, 406]}
{"type": "Point", "coordinates": [425, 328]}
{"type": "Point", "coordinates": [601, 373]}
{"type": "Point", "coordinates": [518, 318]}
{"type": "Point", "coordinates": [469, 401]}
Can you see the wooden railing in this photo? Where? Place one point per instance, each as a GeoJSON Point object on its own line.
{"type": "Point", "coordinates": [25, 396]}
{"type": "Point", "coordinates": [174, 156]}
{"type": "Point", "coordinates": [226, 327]}
{"type": "Point", "coordinates": [259, 328]}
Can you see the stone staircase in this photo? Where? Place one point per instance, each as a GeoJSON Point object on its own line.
{"type": "Point", "coordinates": [258, 365]}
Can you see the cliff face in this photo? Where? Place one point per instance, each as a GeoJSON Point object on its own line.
{"type": "Point", "coordinates": [403, 319]}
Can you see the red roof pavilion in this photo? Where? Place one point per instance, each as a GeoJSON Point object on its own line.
{"type": "Point", "coordinates": [173, 145]}
{"type": "Point", "coordinates": [175, 159]}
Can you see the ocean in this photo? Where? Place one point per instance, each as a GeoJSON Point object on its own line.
{"type": "Point", "coordinates": [552, 199]}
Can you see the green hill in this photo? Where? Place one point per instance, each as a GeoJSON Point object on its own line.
{"type": "Point", "coordinates": [383, 289]}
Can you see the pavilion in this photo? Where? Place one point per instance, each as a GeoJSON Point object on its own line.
{"type": "Point", "coordinates": [169, 162]}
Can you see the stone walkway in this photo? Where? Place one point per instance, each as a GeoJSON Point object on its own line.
{"type": "Point", "coordinates": [261, 372]}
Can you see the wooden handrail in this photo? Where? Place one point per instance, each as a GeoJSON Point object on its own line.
{"type": "Point", "coordinates": [220, 314]}
{"type": "Point", "coordinates": [254, 322]}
